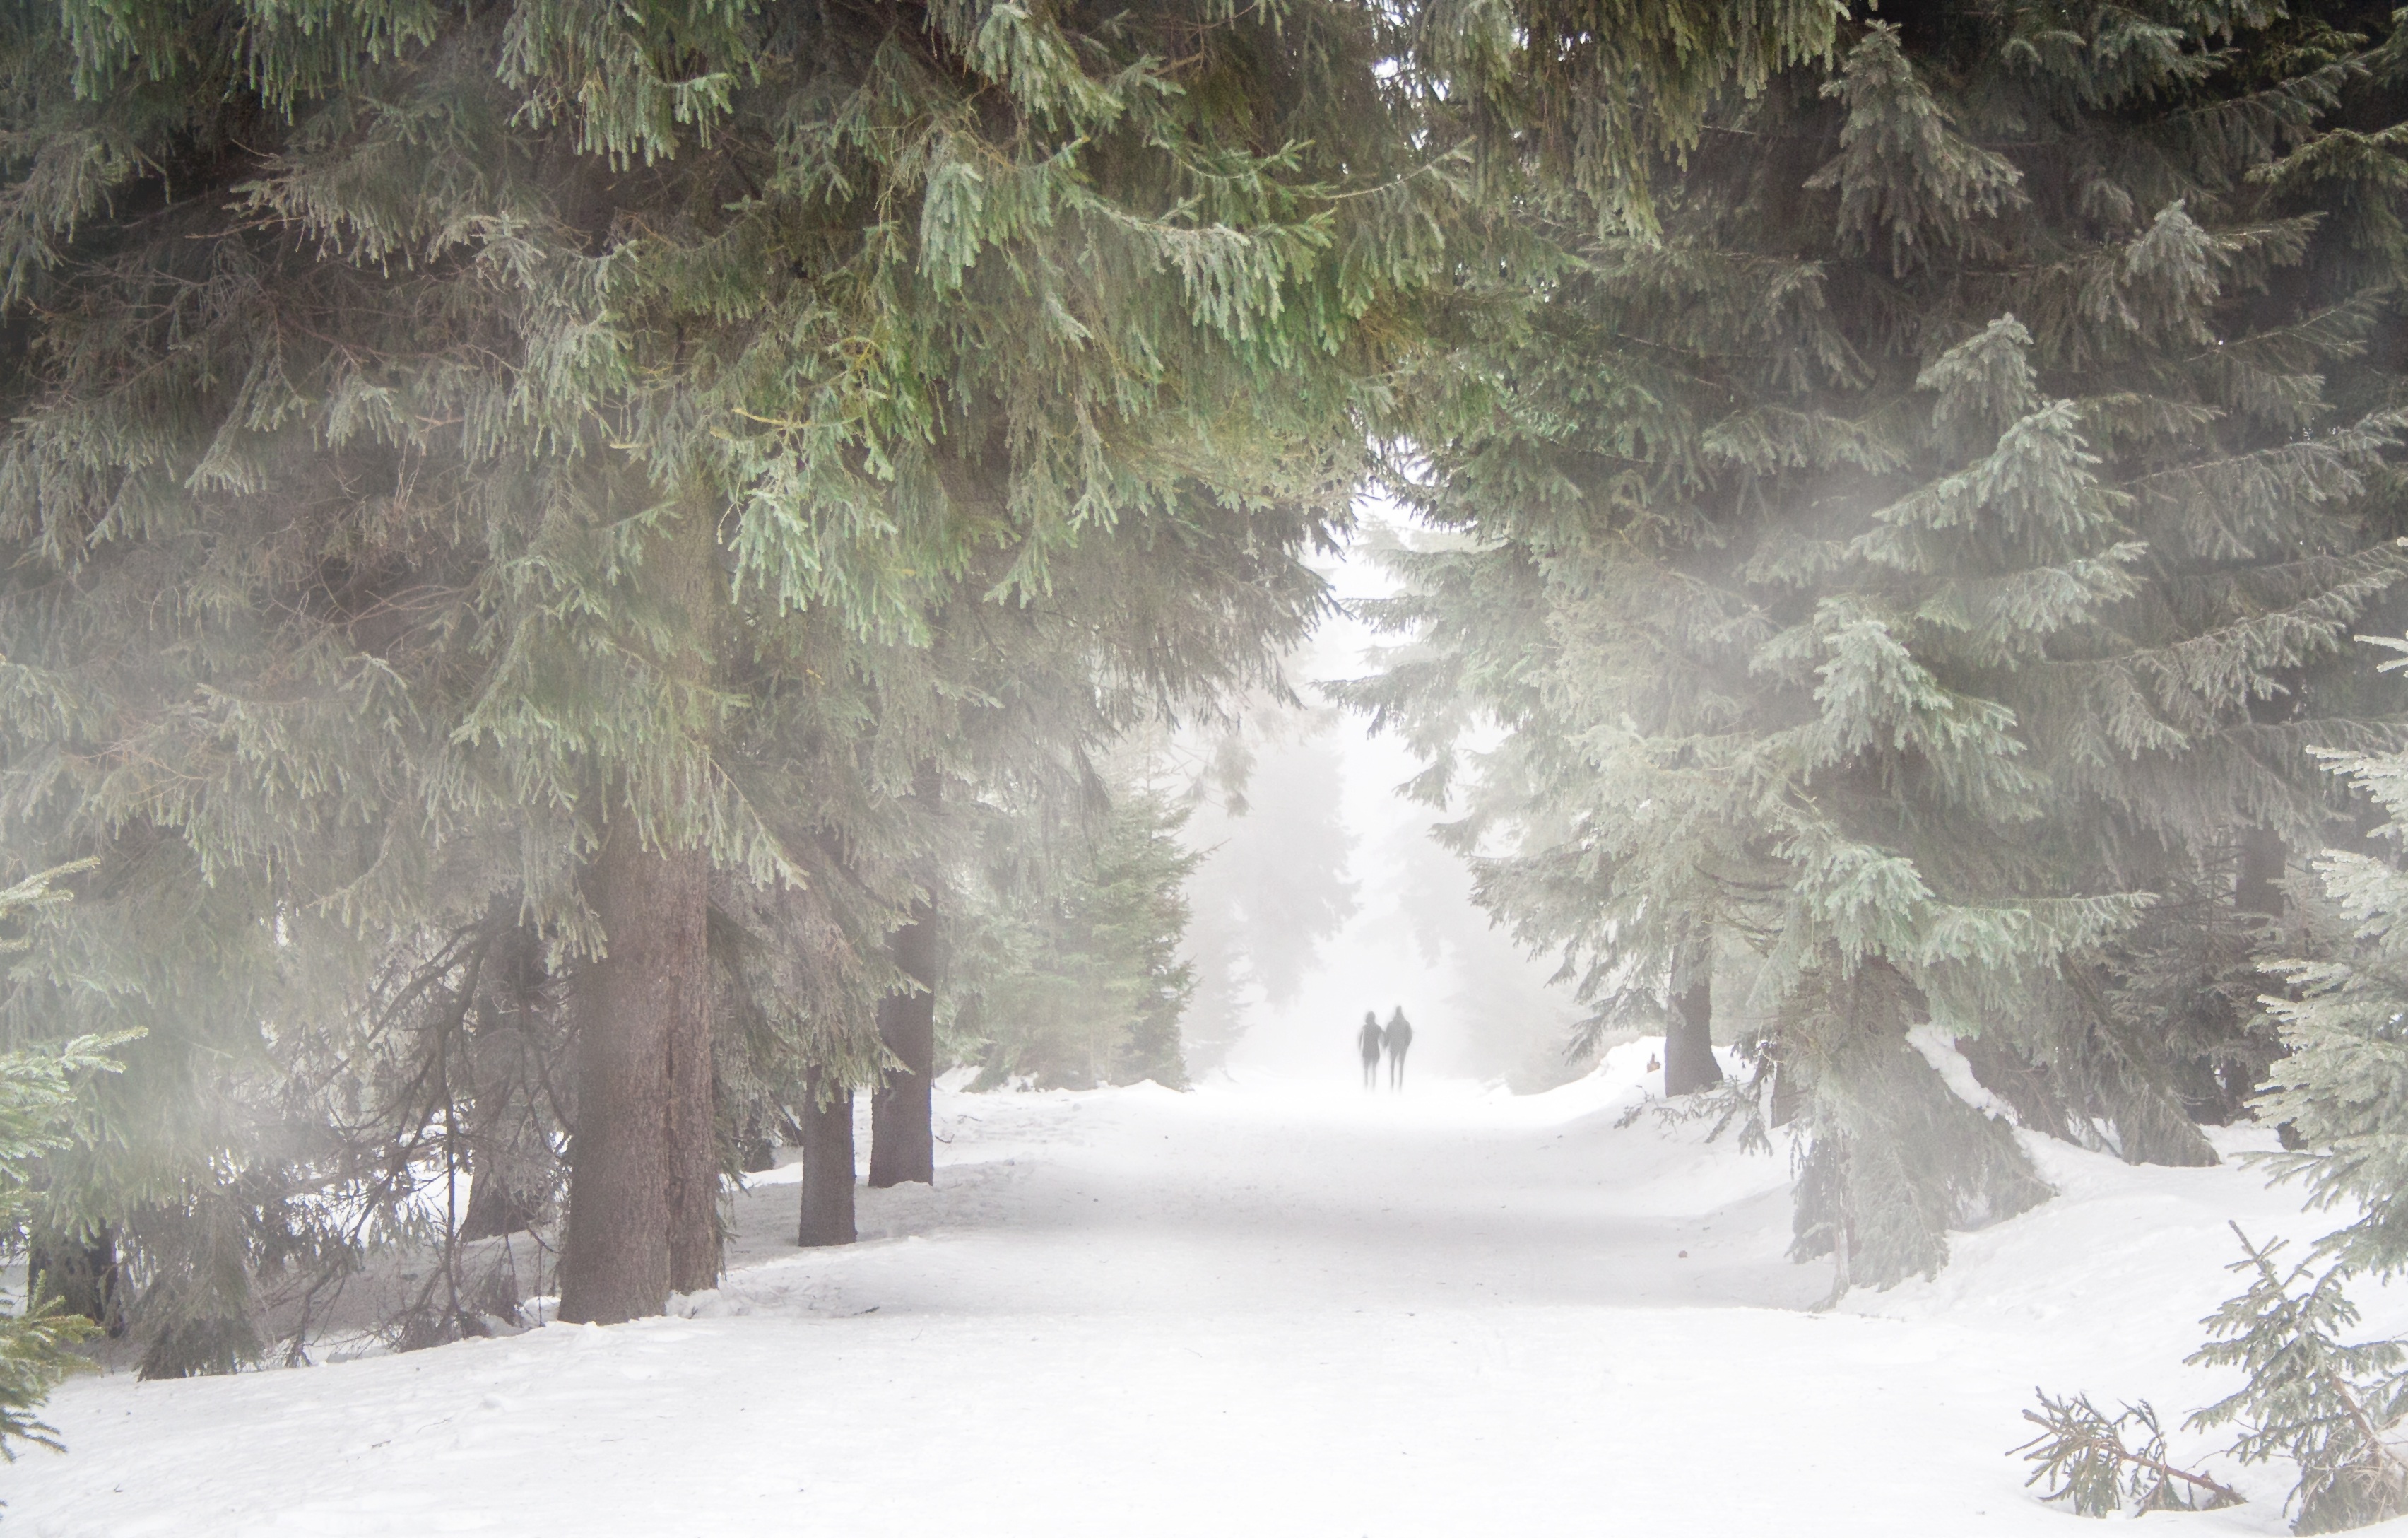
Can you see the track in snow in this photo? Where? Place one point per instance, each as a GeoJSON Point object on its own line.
{"type": "Point", "coordinates": [1256, 1309]}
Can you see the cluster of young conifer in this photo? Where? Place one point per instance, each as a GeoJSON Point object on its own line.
{"type": "Point", "coordinates": [1912, 559]}
{"type": "Point", "coordinates": [1067, 956]}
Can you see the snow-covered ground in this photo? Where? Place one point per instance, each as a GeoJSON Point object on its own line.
{"type": "Point", "coordinates": [1255, 1308]}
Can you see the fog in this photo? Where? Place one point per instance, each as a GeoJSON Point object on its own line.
{"type": "Point", "coordinates": [1322, 894]}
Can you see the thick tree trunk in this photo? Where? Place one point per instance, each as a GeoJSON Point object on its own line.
{"type": "Point", "coordinates": [643, 1185]}
{"type": "Point", "coordinates": [828, 1167]}
{"type": "Point", "coordinates": [902, 1143]}
{"type": "Point", "coordinates": [692, 1165]}
{"type": "Point", "coordinates": [1689, 1037]}
{"type": "Point", "coordinates": [615, 1264]}
{"type": "Point", "coordinates": [690, 571]}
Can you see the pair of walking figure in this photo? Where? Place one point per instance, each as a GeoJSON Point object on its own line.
{"type": "Point", "coordinates": [1393, 1041]}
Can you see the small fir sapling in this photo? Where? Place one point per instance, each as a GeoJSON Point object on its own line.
{"type": "Point", "coordinates": [36, 1341]}
{"type": "Point", "coordinates": [2310, 1398]}
{"type": "Point", "coordinates": [36, 1100]}
{"type": "Point", "coordinates": [2083, 1455]}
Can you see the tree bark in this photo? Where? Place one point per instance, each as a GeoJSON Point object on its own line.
{"type": "Point", "coordinates": [1689, 1037]}
{"type": "Point", "coordinates": [2254, 894]}
{"type": "Point", "coordinates": [615, 1265]}
{"type": "Point", "coordinates": [693, 1162]}
{"type": "Point", "coordinates": [644, 1180]}
{"type": "Point", "coordinates": [827, 1167]}
{"type": "Point", "coordinates": [902, 1142]}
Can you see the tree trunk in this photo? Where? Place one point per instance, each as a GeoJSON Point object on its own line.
{"type": "Point", "coordinates": [615, 1264]}
{"type": "Point", "coordinates": [2261, 867]}
{"type": "Point", "coordinates": [827, 1167]}
{"type": "Point", "coordinates": [1689, 1037]}
{"type": "Point", "coordinates": [644, 1180]}
{"type": "Point", "coordinates": [82, 1276]}
{"type": "Point", "coordinates": [902, 1143]}
{"type": "Point", "coordinates": [2254, 894]}
{"type": "Point", "coordinates": [692, 1161]}
{"type": "Point", "coordinates": [690, 580]}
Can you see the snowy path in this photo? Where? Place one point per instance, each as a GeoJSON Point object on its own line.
{"type": "Point", "coordinates": [1249, 1309]}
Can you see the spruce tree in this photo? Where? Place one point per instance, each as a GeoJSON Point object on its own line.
{"type": "Point", "coordinates": [1273, 886]}
{"type": "Point", "coordinates": [1921, 558]}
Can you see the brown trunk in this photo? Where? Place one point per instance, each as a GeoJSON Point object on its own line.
{"type": "Point", "coordinates": [690, 580]}
{"type": "Point", "coordinates": [2254, 894]}
{"type": "Point", "coordinates": [902, 1143]}
{"type": "Point", "coordinates": [643, 1183]}
{"type": "Point", "coordinates": [1689, 1037]}
{"type": "Point", "coordinates": [615, 1264]}
{"type": "Point", "coordinates": [693, 1160]}
{"type": "Point", "coordinates": [827, 1167]}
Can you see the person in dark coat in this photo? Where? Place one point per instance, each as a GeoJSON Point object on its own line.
{"type": "Point", "coordinates": [1369, 1039]}
{"type": "Point", "coordinates": [1400, 1037]}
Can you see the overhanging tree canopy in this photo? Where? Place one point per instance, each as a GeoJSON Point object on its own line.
{"type": "Point", "coordinates": [430, 423]}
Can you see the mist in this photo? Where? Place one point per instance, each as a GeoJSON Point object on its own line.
{"type": "Point", "coordinates": [1321, 895]}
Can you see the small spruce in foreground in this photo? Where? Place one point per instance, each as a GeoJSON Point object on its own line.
{"type": "Point", "coordinates": [2329, 1407]}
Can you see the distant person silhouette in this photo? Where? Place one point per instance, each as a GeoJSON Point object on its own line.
{"type": "Point", "coordinates": [1370, 1041]}
{"type": "Point", "coordinates": [1401, 1036]}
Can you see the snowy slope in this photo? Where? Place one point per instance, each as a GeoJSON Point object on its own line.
{"type": "Point", "coordinates": [1255, 1308]}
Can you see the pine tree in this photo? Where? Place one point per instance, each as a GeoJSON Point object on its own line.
{"type": "Point", "coordinates": [1272, 888]}
{"type": "Point", "coordinates": [1923, 559]}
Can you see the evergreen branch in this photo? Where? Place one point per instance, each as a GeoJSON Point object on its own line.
{"type": "Point", "coordinates": [2082, 1451]}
